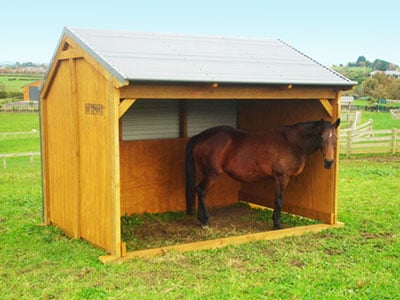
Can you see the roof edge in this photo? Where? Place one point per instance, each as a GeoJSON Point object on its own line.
{"type": "Point", "coordinates": [95, 54]}
{"type": "Point", "coordinates": [346, 85]}
{"type": "Point", "coordinates": [50, 66]}
{"type": "Point", "coordinates": [75, 37]}
{"type": "Point", "coordinates": [349, 81]}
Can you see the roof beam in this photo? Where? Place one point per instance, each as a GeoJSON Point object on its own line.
{"type": "Point", "coordinates": [222, 91]}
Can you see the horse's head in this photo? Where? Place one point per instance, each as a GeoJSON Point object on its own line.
{"type": "Point", "coordinates": [328, 142]}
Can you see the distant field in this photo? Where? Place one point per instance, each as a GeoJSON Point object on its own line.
{"type": "Point", "coordinates": [14, 83]}
{"type": "Point", "coordinates": [364, 103]}
{"type": "Point", "coordinates": [358, 74]}
{"type": "Point", "coordinates": [19, 122]}
{"type": "Point", "coordinates": [381, 120]}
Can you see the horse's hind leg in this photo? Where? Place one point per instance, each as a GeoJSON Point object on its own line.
{"type": "Point", "coordinates": [202, 190]}
{"type": "Point", "coordinates": [280, 187]}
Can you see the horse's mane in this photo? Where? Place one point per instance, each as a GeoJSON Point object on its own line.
{"type": "Point", "coordinates": [307, 124]}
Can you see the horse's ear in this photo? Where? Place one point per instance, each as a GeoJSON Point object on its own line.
{"type": "Point", "coordinates": [337, 123]}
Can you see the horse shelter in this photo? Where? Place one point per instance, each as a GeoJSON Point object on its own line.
{"type": "Point", "coordinates": [117, 109]}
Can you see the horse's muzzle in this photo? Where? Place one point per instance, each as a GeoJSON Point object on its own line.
{"type": "Point", "coordinates": [328, 163]}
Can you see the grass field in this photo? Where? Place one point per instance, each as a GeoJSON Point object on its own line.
{"type": "Point", "coordinates": [359, 261]}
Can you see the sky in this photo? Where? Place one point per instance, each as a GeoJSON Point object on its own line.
{"type": "Point", "coordinates": [331, 32]}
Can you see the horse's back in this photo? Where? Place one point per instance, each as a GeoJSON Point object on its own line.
{"type": "Point", "coordinates": [255, 156]}
{"type": "Point", "coordinates": [212, 145]}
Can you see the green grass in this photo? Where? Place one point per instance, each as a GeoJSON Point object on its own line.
{"type": "Point", "coordinates": [24, 143]}
{"type": "Point", "coordinates": [17, 122]}
{"type": "Point", "coordinates": [359, 261]}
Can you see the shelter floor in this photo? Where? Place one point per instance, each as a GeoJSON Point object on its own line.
{"type": "Point", "coordinates": [165, 229]}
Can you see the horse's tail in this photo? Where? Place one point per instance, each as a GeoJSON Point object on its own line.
{"type": "Point", "coordinates": [190, 170]}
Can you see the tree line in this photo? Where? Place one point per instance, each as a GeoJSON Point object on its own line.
{"type": "Point", "coordinates": [376, 85]}
{"type": "Point", "coordinates": [380, 86]}
{"type": "Point", "coordinates": [377, 64]}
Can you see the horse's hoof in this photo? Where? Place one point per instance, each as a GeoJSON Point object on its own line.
{"type": "Point", "coordinates": [206, 226]}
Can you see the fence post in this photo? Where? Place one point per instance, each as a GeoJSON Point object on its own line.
{"type": "Point", "coordinates": [372, 127]}
{"type": "Point", "coordinates": [348, 142]}
{"type": "Point", "coordinates": [394, 140]}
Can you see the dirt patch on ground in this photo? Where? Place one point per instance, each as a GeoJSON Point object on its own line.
{"type": "Point", "coordinates": [157, 230]}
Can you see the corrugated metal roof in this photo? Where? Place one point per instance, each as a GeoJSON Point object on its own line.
{"type": "Point", "coordinates": [184, 58]}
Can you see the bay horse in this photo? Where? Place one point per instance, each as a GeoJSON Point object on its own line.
{"type": "Point", "coordinates": [279, 153]}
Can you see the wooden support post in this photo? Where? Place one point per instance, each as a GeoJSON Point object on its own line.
{"type": "Point", "coordinates": [327, 106]}
{"type": "Point", "coordinates": [336, 113]}
{"type": "Point", "coordinates": [183, 119]}
{"type": "Point", "coordinates": [124, 106]}
{"type": "Point", "coordinates": [123, 249]}
{"type": "Point", "coordinates": [114, 160]}
{"type": "Point", "coordinates": [76, 217]}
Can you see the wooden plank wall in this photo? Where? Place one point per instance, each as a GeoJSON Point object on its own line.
{"type": "Point", "coordinates": [152, 172]}
{"type": "Point", "coordinates": [60, 151]}
{"type": "Point", "coordinates": [153, 178]}
{"type": "Point", "coordinates": [96, 207]}
{"type": "Point", "coordinates": [81, 159]}
{"type": "Point", "coordinates": [311, 194]}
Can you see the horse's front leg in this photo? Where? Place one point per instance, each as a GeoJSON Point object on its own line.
{"type": "Point", "coordinates": [281, 182]}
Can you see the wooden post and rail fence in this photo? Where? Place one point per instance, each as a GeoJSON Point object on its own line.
{"type": "Point", "coordinates": [6, 156]}
{"type": "Point", "coordinates": [364, 139]}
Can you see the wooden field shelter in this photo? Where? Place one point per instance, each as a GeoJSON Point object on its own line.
{"type": "Point", "coordinates": [31, 91]}
{"type": "Point", "coordinates": [118, 107]}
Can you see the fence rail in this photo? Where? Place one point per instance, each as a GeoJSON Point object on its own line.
{"type": "Point", "coordinates": [350, 118]}
{"type": "Point", "coordinates": [363, 139]}
{"type": "Point", "coordinates": [3, 134]}
{"type": "Point", "coordinates": [19, 108]}
{"type": "Point", "coordinates": [5, 156]}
